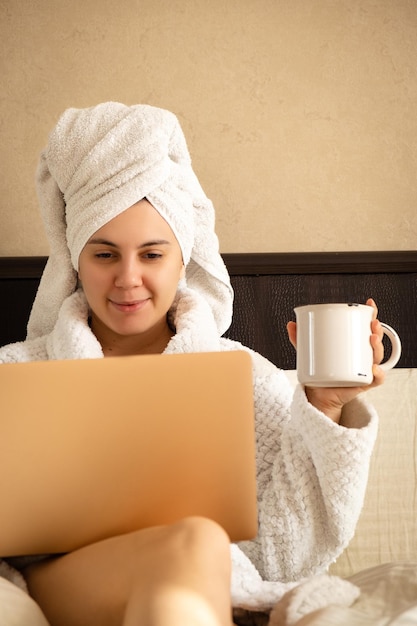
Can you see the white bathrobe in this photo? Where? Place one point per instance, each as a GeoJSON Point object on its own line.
{"type": "Point", "coordinates": [311, 472]}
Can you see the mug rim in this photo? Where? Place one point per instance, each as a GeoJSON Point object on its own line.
{"type": "Point", "coordinates": [332, 305]}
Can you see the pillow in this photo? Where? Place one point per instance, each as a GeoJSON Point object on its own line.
{"type": "Point", "coordinates": [386, 529]}
{"type": "Point", "coordinates": [17, 608]}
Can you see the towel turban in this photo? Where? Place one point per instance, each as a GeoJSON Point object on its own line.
{"type": "Point", "coordinates": [100, 161]}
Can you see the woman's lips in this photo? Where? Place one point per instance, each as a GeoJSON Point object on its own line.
{"type": "Point", "coordinates": [129, 307]}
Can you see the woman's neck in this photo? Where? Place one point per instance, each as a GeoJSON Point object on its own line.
{"type": "Point", "coordinates": [153, 341]}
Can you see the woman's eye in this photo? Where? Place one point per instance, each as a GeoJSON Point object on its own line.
{"type": "Point", "coordinates": [152, 255]}
{"type": "Point", "coordinates": [104, 255]}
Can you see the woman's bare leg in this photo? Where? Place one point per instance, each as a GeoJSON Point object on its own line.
{"type": "Point", "coordinates": [172, 575]}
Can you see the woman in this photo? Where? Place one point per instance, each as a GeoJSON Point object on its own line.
{"type": "Point", "coordinates": [134, 268]}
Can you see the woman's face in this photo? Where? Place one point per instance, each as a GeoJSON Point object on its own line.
{"type": "Point", "coordinates": [129, 271]}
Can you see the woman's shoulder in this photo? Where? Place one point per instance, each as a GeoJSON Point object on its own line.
{"type": "Point", "coordinates": [23, 351]}
{"type": "Point", "coordinates": [272, 385]}
{"type": "Point", "coordinates": [260, 363]}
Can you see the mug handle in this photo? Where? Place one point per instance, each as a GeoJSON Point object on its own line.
{"type": "Point", "coordinates": [396, 347]}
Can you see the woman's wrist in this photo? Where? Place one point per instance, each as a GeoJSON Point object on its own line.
{"type": "Point", "coordinates": [330, 408]}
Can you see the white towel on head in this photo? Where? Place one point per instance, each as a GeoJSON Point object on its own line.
{"type": "Point", "coordinates": [98, 162]}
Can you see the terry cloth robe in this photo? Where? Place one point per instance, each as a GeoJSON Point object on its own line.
{"type": "Point", "coordinates": [311, 472]}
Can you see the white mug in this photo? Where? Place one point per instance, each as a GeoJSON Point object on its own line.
{"type": "Point", "coordinates": [333, 345]}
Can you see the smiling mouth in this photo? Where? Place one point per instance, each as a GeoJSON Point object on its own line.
{"type": "Point", "coordinates": [128, 307]}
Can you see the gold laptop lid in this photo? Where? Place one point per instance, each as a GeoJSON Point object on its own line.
{"type": "Point", "coordinates": [98, 447]}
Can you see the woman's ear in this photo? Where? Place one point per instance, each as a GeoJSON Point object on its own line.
{"type": "Point", "coordinates": [182, 272]}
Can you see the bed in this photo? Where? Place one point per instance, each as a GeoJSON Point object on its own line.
{"type": "Point", "coordinates": [380, 564]}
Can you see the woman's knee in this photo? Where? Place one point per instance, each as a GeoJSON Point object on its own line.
{"type": "Point", "coordinates": [195, 540]}
{"type": "Point", "coordinates": [201, 533]}
{"type": "Point", "coordinates": [189, 572]}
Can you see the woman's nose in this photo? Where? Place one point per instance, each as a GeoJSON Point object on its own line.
{"type": "Point", "coordinates": [129, 275]}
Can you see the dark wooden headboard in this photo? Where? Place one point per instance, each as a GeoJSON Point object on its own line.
{"type": "Point", "coordinates": [267, 288]}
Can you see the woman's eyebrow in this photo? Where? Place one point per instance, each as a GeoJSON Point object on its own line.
{"type": "Point", "coordinates": [102, 242]}
{"type": "Point", "coordinates": [146, 244]}
{"type": "Point", "coordinates": [155, 242]}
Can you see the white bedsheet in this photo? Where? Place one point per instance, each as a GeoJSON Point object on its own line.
{"type": "Point", "coordinates": [388, 597]}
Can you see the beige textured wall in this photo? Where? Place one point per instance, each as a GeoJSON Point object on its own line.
{"type": "Point", "coordinates": [300, 114]}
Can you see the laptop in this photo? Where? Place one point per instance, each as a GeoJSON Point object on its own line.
{"type": "Point", "coordinates": [99, 447]}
